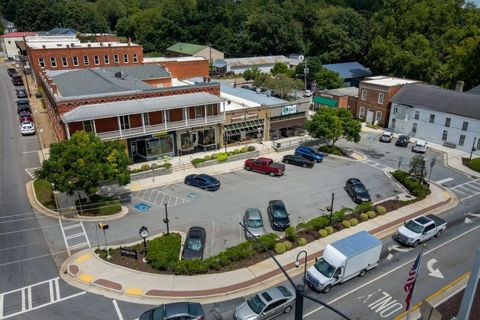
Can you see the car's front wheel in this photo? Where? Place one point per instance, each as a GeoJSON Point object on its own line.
{"type": "Point", "coordinates": [304, 165]}
{"type": "Point", "coordinates": [272, 174]}
{"type": "Point", "coordinates": [326, 289]}
{"type": "Point", "coordinates": [287, 309]}
{"type": "Point", "coordinates": [248, 168]}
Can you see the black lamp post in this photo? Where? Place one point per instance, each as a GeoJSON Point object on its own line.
{"type": "Point", "coordinates": [300, 288]}
{"type": "Point", "coordinates": [166, 219]}
{"type": "Point", "coordinates": [143, 232]}
{"type": "Point", "coordinates": [225, 140]}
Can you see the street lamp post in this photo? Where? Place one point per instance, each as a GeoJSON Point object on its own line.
{"type": "Point", "coordinates": [225, 140]}
{"type": "Point", "coordinates": [331, 208]}
{"type": "Point", "coordinates": [300, 288]}
{"type": "Point", "coordinates": [143, 232]}
{"type": "Point", "coordinates": [473, 147]}
{"type": "Point", "coordinates": [166, 219]}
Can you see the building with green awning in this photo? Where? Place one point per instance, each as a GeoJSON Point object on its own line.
{"type": "Point", "coordinates": [322, 101]}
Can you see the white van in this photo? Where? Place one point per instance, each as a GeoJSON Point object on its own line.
{"type": "Point", "coordinates": [420, 146]}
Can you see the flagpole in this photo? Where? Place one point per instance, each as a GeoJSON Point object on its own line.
{"type": "Point", "coordinates": [416, 278]}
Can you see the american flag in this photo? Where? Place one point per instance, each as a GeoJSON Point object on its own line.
{"type": "Point", "coordinates": [412, 277]}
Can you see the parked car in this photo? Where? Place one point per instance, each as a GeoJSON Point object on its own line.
{"type": "Point", "coordinates": [21, 94]}
{"type": "Point", "coordinates": [22, 101]}
{"type": "Point", "coordinates": [403, 141]}
{"type": "Point", "coordinates": [17, 80]}
{"type": "Point", "coordinates": [266, 304]}
{"type": "Point", "coordinates": [309, 154]}
{"type": "Point", "coordinates": [420, 146]}
{"type": "Point", "coordinates": [123, 195]}
{"type": "Point", "coordinates": [27, 128]}
{"type": "Point", "coordinates": [386, 136]}
{"type": "Point", "coordinates": [357, 190]}
{"type": "Point", "coordinates": [420, 229]}
{"type": "Point", "coordinates": [278, 215]}
{"type": "Point", "coordinates": [297, 161]}
{"type": "Point", "coordinates": [202, 181]}
{"type": "Point", "coordinates": [26, 117]}
{"type": "Point", "coordinates": [194, 244]}
{"type": "Point", "coordinates": [11, 71]}
{"type": "Point", "coordinates": [265, 165]}
{"type": "Point", "coordinates": [253, 221]}
{"type": "Point", "coordinates": [175, 311]}
{"type": "Point", "coordinates": [308, 93]}
{"type": "Point", "coordinates": [24, 113]}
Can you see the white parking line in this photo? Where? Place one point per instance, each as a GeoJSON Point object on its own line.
{"type": "Point", "coordinates": [32, 151]}
{"type": "Point", "coordinates": [444, 180]}
{"type": "Point", "coordinates": [213, 232]}
{"type": "Point", "coordinates": [117, 309]}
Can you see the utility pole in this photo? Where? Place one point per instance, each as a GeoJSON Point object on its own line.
{"type": "Point", "coordinates": [331, 208]}
{"type": "Point", "coordinates": [166, 219]}
{"type": "Point", "coordinates": [305, 71]}
{"type": "Point", "coordinates": [473, 147]}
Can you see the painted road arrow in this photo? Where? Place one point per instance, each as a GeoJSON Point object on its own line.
{"type": "Point", "coordinates": [396, 247]}
{"type": "Point", "coordinates": [434, 272]}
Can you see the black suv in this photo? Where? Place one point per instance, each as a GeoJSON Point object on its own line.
{"type": "Point", "coordinates": [278, 215]}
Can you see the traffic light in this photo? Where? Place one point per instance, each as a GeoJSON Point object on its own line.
{"type": "Point", "coordinates": [102, 226]}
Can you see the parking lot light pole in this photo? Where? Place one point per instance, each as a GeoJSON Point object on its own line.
{"type": "Point", "coordinates": [166, 219]}
{"type": "Point", "coordinates": [143, 233]}
{"type": "Point", "coordinates": [331, 208]}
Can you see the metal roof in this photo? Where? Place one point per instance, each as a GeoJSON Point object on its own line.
{"type": "Point", "coordinates": [250, 95]}
{"type": "Point", "coordinates": [340, 92]}
{"type": "Point", "coordinates": [186, 48]}
{"type": "Point", "coordinates": [356, 243]}
{"type": "Point", "coordinates": [252, 61]}
{"type": "Point", "coordinates": [439, 99]}
{"type": "Point", "coordinates": [119, 108]}
{"type": "Point", "coordinates": [475, 90]}
{"type": "Point", "coordinates": [349, 70]}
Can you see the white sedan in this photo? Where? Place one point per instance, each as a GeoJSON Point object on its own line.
{"type": "Point", "coordinates": [27, 128]}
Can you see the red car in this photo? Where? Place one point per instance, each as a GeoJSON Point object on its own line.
{"type": "Point", "coordinates": [265, 165]}
{"type": "Point", "coordinates": [26, 117]}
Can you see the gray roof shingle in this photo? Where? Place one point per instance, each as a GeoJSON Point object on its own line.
{"type": "Point", "coordinates": [349, 70]}
{"type": "Point", "coordinates": [439, 99]}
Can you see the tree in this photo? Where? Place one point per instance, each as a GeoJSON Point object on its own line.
{"type": "Point", "coordinates": [283, 84]}
{"type": "Point", "coordinates": [84, 161]}
{"type": "Point", "coordinates": [260, 79]}
{"type": "Point", "coordinates": [334, 124]}
{"type": "Point", "coordinates": [252, 73]}
{"type": "Point", "coordinates": [327, 79]}
{"type": "Point", "coordinates": [417, 167]}
{"type": "Point", "coordinates": [281, 68]}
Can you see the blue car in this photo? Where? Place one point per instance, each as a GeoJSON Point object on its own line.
{"type": "Point", "coordinates": [202, 181]}
{"type": "Point", "coordinates": [309, 154]}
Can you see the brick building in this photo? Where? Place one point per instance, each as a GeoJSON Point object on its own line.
{"type": "Point", "coordinates": [60, 53]}
{"type": "Point", "coordinates": [121, 104]}
{"type": "Point", "coordinates": [374, 98]}
{"type": "Point", "coordinates": [342, 98]}
{"type": "Point", "coordinates": [181, 67]}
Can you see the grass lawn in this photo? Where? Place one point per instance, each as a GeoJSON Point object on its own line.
{"type": "Point", "coordinates": [332, 150]}
{"type": "Point", "coordinates": [474, 164]}
{"type": "Point", "coordinates": [98, 206]}
{"type": "Point", "coordinates": [44, 192]}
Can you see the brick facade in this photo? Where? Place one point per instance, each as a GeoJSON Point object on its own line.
{"type": "Point", "coordinates": [186, 69]}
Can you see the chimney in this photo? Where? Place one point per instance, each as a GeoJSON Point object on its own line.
{"type": "Point", "coordinates": [129, 41]}
{"type": "Point", "coordinates": [53, 86]}
{"type": "Point", "coordinates": [89, 45]}
{"type": "Point", "coordinates": [68, 46]}
{"type": "Point", "coordinates": [459, 86]}
{"type": "Point", "coordinates": [44, 46]}
{"type": "Point", "coordinates": [109, 44]}
{"type": "Point", "coordinates": [72, 45]}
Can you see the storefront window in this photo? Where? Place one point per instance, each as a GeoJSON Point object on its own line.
{"type": "Point", "coordinates": [156, 147]}
{"type": "Point", "coordinates": [208, 137]}
{"type": "Point", "coordinates": [186, 141]}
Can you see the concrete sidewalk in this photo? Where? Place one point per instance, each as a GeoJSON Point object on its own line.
{"type": "Point", "coordinates": [88, 272]}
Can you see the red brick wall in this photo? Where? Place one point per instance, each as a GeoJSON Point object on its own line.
{"type": "Point", "coordinates": [186, 69]}
{"type": "Point", "coordinates": [371, 102]}
{"type": "Point", "coordinates": [106, 125]}
{"type": "Point", "coordinates": [156, 117]}
{"type": "Point", "coordinates": [159, 83]}
{"type": "Point", "coordinates": [107, 39]}
{"type": "Point", "coordinates": [135, 120]}
{"type": "Point", "coordinates": [175, 115]}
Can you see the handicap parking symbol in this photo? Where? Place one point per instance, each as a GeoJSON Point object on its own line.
{"type": "Point", "coordinates": [143, 207]}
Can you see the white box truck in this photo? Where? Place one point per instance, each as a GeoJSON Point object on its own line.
{"type": "Point", "coordinates": [343, 260]}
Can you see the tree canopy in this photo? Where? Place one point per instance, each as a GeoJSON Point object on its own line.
{"type": "Point", "coordinates": [84, 161]}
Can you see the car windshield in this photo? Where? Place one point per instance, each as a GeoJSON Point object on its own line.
{"type": "Point", "coordinates": [159, 313]}
{"type": "Point", "coordinates": [324, 268]}
{"type": "Point", "coordinates": [256, 304]}
{"type": "Point", "coordinates": [194, 244]}
{"type": "Point", "coordinates": [255, 223]}
{"type": "Point", "coordinates": [413, 226]}
{"type": "Point", "coordinates": [359, 188]}
{"type": "Point", "coordinates": [279, 212]}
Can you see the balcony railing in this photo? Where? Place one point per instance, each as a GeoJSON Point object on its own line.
{"type": "Point", "coordinates": [169, 126]}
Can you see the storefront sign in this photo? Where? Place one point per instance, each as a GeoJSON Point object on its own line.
{"type": "Point", "coordinates": [160, 134]}
{"type": "Point", "coordinates": [238, 118]}
{"type": "Point", "coordinates": [250, 116]}
{"type": "Point", "coordinates": [289, 109]}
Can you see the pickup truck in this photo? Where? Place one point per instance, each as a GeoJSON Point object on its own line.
{"type": "Point", "coordinates": [420, 229]}
{"type": "Point", "coordinates": [265, 165]}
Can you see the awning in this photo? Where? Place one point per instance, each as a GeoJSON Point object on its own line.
{"type": "Point", "coordinates": [245, 126]}
{"type": "Point", "coordinates": [325, 101]}
{"type": "Point", "coordinates": [219, 63]}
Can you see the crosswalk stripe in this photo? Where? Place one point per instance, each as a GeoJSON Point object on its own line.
{"type": "Point", "coordinates": [444, 180]}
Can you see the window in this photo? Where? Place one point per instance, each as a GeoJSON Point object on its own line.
{"type": "Point", "coordinates": [395, 110]}
{"type": "Point", "coordinates": [381, 96]}
{"type": "Point", "coordinates": [465, 126]}
{"type": "Point", "coordinates": [64, 61]}
{"type": "Point", "coordinates": [210, 109]}
{"type": "Point", "coordinates": [146, 119]}
{"type": "Point", "coordinates": [393, 123]}
{"type": "Point", "coordinates": [378, 116]}
{"type": "Point", "coordinates": [41, 62]}
{"type": "Point", "coordinates": [447, 122]}
{"type": "Point", "coordinates": [125, 58]}
{"type": "Point", "coordinates": [414, 128]}
{"type": "Point", "coordinates": [115, 58]}
{"type": "Point", "coordinates": [53, 62]}
{"type": "Point", "coordinates": [88, 126]}
{"type": "Point", "coordinates": [361, 113]}
{"type": "Point", "coordinates": [432, 118]}
{"type": "Point", "coordinates": [97, 60]}
{"type": "Point", "coordinates": [106, 59]}
{"type": "Point", "coordinates": [444, 135]}
{"type": "Point", "coordinates": [135, 58]}
{"type": "Point", "coordinates": [85, 60]}
{"type": "Point", "coordinates": [461, 141]}
{"type": "Point", "coordinates": [417, 115]}
{"type": "Point", "coordinates": [75, 61]}
{"type": "Point", "coordinates": [198, 112]}
{"type": "Point", "coordinates": [124, 122]}
{"type": "Point", "coordinates": [364, 94]}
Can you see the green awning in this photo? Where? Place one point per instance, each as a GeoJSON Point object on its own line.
{"type": "Point", "coordinates": [325, 101]}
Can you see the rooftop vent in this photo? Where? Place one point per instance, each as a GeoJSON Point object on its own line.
{"type": "Point", "coordinates": [120, 75]}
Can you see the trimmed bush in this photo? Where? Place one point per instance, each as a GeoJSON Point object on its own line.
{"type": "Point", "coordinates": [269, 240]}
{"type": "Point", "coordinates": [190, 267]}
{"type": "Point", "coordinates": [288, 245]}
{"type": "Point", "coordinates": [197, 161]}
{"type": "Point", "coordinates": [214, 155]}
{"type": "Point", "coordinates": [240, 251]}
{"type": "Point", "coordinates": [346, 224]}
{"type": "Point", "coordinates": [362, 208]}
{"type": "Point", "coordinates": [329, 229]}
{"type": "Point", "coordinates": [302, 226]}
{"type": "Point", "coordinates": [323, 233]}
{"type": "Point", "coordinates": [250, 148]}
{"type": "Point", "coordinates": [381, 210]}
{"type": "Point", "coordinates": [301, 241]}
{"type": "Point", "coordinates": [236, 151]}
{"type": "Point", "coordinates": [474, 164]}
{"type": "Point", "coordinates": [291, 233]}
{"type": "Point", "coordinates": [318, 223]}
{"type": "Point", "coordinates": [353, 222]}
{"type": "Point", "coordinates": [371, 214]}
{"type": "Point", "coordinates": [414, 186]}
{"type": "Point", "coordinates": [243, 149]}
{"type": "Point", "coordinates": [163, 251]}
{"type": "Point", "coordinates": [338, 215]}
{"type": "Point", "coordinates": [363, 216]}
{"type": "Point", "coordinates": [154, 166]}
{"type": "Point", "coordinates": [207, 157]}
{"type": "Point", "coordinates": [145, 167]}
{"type": "Point", "coordinates": [222, 157]}
{"type": "Point", "coordinates": [167, 165]}
{"type": "Point", "coordinates": [280, 248]}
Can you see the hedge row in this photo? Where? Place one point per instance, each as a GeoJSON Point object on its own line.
{"type": "Point", "coordinates": [415, 186]}
{"type": "Point", "coordinates": [146, 167]}
{"type": "Point", "coordinates": [222, 156]}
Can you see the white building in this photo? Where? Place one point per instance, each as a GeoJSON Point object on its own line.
{"type": "Point", "coordinates": [240, 65]}
{"type": "Point", "coordinates": [447, 117]}
{"type": "Point", "coordinates": [8, 43]}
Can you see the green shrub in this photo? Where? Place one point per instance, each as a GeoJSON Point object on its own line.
{"type": "Point", "coordinates": [318, 223]}
{"type": "Point", "coordinates": [363, 216]}
{"type": "Point", "coordinates": [222, 157]}
{"type": "Point", "coordinates": [346, 224]}
{"type": "Point", "coordinates": [333, 150]}
{"type": "Point", "coordinates": [163, 251]}
{"type": "Point", "coordinates": [268, 240]}
{"type": "Point", "coordinates": [243, 149]}
{"type": "Point", "coordinates": [214, 155]}
{"type": "Point", "coordinates": [145, 167]}
{"type": "Point", "coordinates": [251, 148]}
{"type": "Point", "coordinates": [362, 208]}
{"type": "Point", "coordinates": [474, 164]}
{"type": "Point", "coordinates": [207, 157]}
{"type": "Point", "coordinates": [291, 233]}
{"type": "Point", "coordinates": [302, 226]}
{"type": "Point", "coordinates": [301, 241]}
{"type": "Point", "coordinates": [190, 267]}
{"type": "Point", "coordinates": [338, 215]}
{"type": "Point", "coordinates": [288, 245]}
{"type": "Point", "coordinates": [236, 151]}
{"type": "Point", "coordinates": [371, 214]}
{"type": "Point", "coordinates": [381, 210]}
{"type": "Point", "coordinates": [329, 229]}
{"type": "Point", "coordinates": [323, 233]}
{"type": "Point", "coordinates": [280, 248]}
{"type": "Point", "coordinates": [223, 259]}
{"type": "Point", "coordinates": [353, 222]}
{"type": "Point", "coordinates": [44, 193]}
{"type": "Point", "coordinates": [167, 165]}
{"type": "Point", "coordinates": [414, 186]}
{"type": "Point", "coordinates": [240, 251]}
{"type": "Point", "coordinates": [197, 161]}
{"type": "Point", "coordinates": [154, 166]}
{"type": "Point", "coordinates": [213, 263]}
